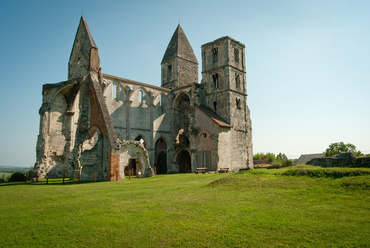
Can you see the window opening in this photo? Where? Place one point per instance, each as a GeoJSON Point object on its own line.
{"type": "Point", "coordinates": [141, 140]}
{"type": "Point", "coordinates": [215, 80]}
{"type": "Point", "coordinates": [215, 106]}
{"type": "Point", "coordinates": [115, 91]}
{"type": "Point", "coordinates": [140, 97]}
{"type": "Point", "coordinates": [238, 103]}
{"type": "Point", "coordinates": [169, 73]}
{"type": "Point", "coordinates": [236, 55]}
{"type": "Point", "coordinates": [237, 81]}
{"type": "Point", "coordinates": [215, 54]}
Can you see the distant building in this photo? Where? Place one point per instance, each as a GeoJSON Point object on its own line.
{"type": "Point", "coordinates": [304, 158]}
{"type": "Point", "coordinates": [107, 126]}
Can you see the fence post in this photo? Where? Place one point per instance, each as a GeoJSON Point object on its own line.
{"type": "Point", "coordinates": [155, 170]}
{"type": "Point", "coordinates": [47, 178]}
{"type": "Point", "coordinates": [64, 176]}
{"type": "Point", "coordinates": [78, 177]}
{"type": "Point", "coordinates": [116, 175]}
{"type": "Point", "coordinates": [129, 174]}
{"type": "Point", "coordinates": [94, 177]}
{"type": "Point", "coordinates": [139, 174]}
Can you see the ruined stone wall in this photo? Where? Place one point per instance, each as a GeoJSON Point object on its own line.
{"type": "Point", "coordinates": [138, 109]}
{"type": "Point", "coordinates": [346, 159]}
{"type": "Point", "coordinates": [134, 150]}
{"type": "Point", "coordinates": [91, 161]}
{"type": "Point", "coordinates": [232, 150]}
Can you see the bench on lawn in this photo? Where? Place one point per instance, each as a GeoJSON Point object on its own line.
{"type": "Point", "coordinates": [223, 170]}
{"type": "Point", "coordinates": [203, 170]}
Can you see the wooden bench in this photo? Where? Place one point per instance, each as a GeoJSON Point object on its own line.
{"type": "Point", "coordinates": [226, 170]}
{"type": "Point", "coordinates": [203, 170]}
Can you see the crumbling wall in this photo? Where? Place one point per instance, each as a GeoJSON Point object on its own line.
{"type": "Point", "coordinates": [346, 159]}
{"type": "Point", "coordinates": [134, 150]}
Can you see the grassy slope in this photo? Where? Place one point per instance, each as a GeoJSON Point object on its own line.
{"type": "Point", "coordinates": [257, 209]}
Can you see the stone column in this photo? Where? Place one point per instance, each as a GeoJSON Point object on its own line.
{"type": "Point", "coordinates": [128, 105]}
{"type": "Point", "coordinates": [151, 149]}
{"type": "Point", "coordinates": [194, 164]}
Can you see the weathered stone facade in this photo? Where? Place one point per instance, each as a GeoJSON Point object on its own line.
{"type": "Point", "coordinates": [105, 125]}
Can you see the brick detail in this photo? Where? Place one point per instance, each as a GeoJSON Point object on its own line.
{"type": "Point", "coordinates": [99, 112]}
{"type": "Point", "coordinates": [113, 166]}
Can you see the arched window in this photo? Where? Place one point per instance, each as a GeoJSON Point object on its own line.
{"type": "Point", "coordinates": [238, 106]}
{"type": "Point", "coordinates": [237, 81]}
{"type": "Point", "coordinates": [215, 80]}
{"type": "Point", "coordinates": [115, 92]}
{"type": "Point", "coordinates": [236, 55]}
{"type": "Point", "coordinates": [140, 97]}
{"type": "Point", "coordinates": [141, 139]}
{"type": "Point", "coordinates": [169, 73]}
{"type": "Point", "coordinates": [215, 54]}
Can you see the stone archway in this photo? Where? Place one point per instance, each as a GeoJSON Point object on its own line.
{"type": "Point", "coordinates": [184, 161]}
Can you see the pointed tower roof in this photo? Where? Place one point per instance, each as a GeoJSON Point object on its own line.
{"type": "Point", "coordinates": [84, 55]}
{"type": "Point", "coordinates": [179, 46]}
{"type": "Point", "coordinates": [83, 32]}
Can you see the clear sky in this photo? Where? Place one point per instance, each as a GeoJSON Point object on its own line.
{"type": "Point", "coordinates": [308, 62]}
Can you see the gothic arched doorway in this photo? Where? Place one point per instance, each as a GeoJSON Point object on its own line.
{"type": "Point", "coordinates": [162, 163]}
{"type": "Point", "coordinates": [184, 161]}
{"type": "Point", "coordinates": [161, 156]}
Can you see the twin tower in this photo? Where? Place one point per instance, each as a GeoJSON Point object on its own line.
{"type": "Point", "coordinates": [96, 125]}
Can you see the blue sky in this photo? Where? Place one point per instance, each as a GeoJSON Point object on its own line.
{"type": "Point", "coordinates": [308, 62]}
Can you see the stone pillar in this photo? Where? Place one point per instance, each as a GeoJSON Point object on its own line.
{"type": "Point", "coordinates": [128, 105]}
{"type": "Point", "coordinates": [194, 163]}
{"type": "Point", "coordinates": [151, 149]}
{"type": "Point", "coordinates": [69, 142]}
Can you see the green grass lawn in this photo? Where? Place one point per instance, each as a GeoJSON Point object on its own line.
{"type": "Point", "coordinates": [258, 208]}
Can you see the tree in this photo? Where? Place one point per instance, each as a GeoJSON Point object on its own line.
{"type": "Point", "coordinates": [338, 147]}
{"type": "Point", "coordinates": [282, 157]}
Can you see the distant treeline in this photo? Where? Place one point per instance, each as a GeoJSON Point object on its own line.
{"type": "Point", "coordinates": [9, 169]}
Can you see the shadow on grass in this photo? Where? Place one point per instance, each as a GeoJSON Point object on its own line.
{"type": "Point", "coordinates": [43, 182]}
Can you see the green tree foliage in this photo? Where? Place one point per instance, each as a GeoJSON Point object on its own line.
{"type": "Point", "coordinates": [277, 161]}
{"type": "Point", "coordinates": [338, 147]}
{"type": "Point", "coordinates": [17, 177]}
{"type": "Point", "coordinates": [270, 156]}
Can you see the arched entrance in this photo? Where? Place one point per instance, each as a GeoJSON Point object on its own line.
{"type": "Point", "coordinates": [162, 163]}
{"type": "Point", "coordinates": [161, 156]}
{"type": "Point", "coordinates": [131, 168]}
{"type": "Point", "coordinates": [184, 161]}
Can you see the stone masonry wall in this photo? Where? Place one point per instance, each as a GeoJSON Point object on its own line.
{"type": "Point", "coordinates": [341, 160]}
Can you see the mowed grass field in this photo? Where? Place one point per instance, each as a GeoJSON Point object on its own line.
{"type": "Point", "coordinates": [258, 208]}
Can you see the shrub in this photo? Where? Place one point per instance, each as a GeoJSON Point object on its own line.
{"type": "Point", "coordinates": [287, 162]}
{"type": "Point", "coordinates": [17, 177]}
{"type": "Point", "coordinates": [325, 173]}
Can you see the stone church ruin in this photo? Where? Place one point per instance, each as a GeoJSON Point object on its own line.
{"type": "Point", "coordinates": [104, 125]}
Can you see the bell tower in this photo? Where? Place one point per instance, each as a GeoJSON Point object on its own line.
{"type": "Point", "coordinates": [179, 64]}
{"type": "Point", "coordinates": [224, 79]}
